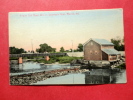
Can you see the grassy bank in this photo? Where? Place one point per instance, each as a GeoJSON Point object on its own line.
{"type": "Point", "coordinates": [54, 59]}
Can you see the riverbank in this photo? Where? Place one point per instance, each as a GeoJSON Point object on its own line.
{"type": "Point", "coordinates": [33, 77]}
{"type": "Point", "coordinates": [53, 59]}
{"type": "Point", "coordinates": [101, 64]}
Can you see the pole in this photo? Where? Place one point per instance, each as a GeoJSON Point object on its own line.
{"type": "Point", "coordinates": [32, 45]}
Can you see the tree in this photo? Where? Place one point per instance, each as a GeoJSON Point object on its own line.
{"type": "Point", "coordinates": [80, 47]}
{"type": "Point", "coordinates": [45, 48]}
{"type": "Point", "coordinates": [75, 50]}
{"type": "Point", "coordinates": [32, 51]}
{"type": "Point", "coordinates": [62, 49]}
{"type": "Point", "coordinates": [38, 50]}
{"type": "Point", "coordinates": [14, 50]}
{"type": "Point", "coordinates": [53, 49]}
{"type": "Point", "coordinates": [118, 44]}
{"type": "Point", "coordinates": [21, 50]}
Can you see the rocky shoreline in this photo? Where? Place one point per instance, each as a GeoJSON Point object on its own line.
{"type": "Point", "coordinates": [28, 79]}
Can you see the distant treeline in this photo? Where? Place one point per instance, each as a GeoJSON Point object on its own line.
{"type": "Point", "coordinates": [118, 45]}
{"type": "Point", "coordinates": [14, 50]}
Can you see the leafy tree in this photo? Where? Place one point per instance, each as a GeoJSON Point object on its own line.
{"type": "Point", "coordinates": [14, 50]}
{"type": "Point", "coordinates": [75, 50]}
{"type": "Point", "coordinates": [118, 44]}
{"type": "Point", "coordinates": [53, 49]}
{"type": "Point", "coordinates": [80, 47]}
{"type": "Point", "coordinates": [45, 48]}
{"type": "Point", "coordinates": [21, 50]}
{"type": "Point", "coordinates": [38, 50]}
{"type": "Point", "coordinates": [32, 51]}
{"type": "Point", "coordinates": [62, 49]}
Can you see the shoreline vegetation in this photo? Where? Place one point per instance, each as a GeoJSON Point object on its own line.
{"type": "Point", "coordinates": [53, 59]}
{"type": "Point", "coordinates": [122, 66]}
{"type": "Point", "coordinates": [59, 60]}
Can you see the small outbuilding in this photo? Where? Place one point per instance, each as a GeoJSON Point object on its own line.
{"type": "Point", "coordinates": [100, 49]}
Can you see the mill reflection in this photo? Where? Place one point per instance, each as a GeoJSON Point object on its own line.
{"type": "Point", "coordinates": [102, 76]}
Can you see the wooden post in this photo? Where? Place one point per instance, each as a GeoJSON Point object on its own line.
{"type": "Point", "coordinates": [20, 60]}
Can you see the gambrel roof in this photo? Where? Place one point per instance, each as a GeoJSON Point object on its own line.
{"type": "Point", "coordinates": [100, 41]}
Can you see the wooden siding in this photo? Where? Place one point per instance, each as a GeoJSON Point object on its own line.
{"type": "Point", "coordinates": [107, 47]}
{"type": "Point", "coordinates": [118, 57]}
{"type": "Point", "coordinates": [104, 56]}
{"type": "Point", "coordinates": [92, 51]}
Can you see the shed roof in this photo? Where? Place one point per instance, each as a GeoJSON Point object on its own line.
{"type": "Point", "coordinates": [100, 41]}
{"type": "Point", "coordinates": [110, 51]}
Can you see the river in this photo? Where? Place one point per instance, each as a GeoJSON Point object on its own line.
{"type": "Point", "coordinates": [94, 76]}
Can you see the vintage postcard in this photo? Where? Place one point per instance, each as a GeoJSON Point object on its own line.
{"type": "Point", "coordinates": [67, 47]}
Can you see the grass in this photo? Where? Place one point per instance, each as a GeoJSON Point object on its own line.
{"type": "Point", "coordinates": [53, 59]}
{"type": "Point", "coordinates": [13, 58]}
{"type": "Point", "coordinates": [67, 59]}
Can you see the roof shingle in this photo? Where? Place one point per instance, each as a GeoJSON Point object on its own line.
{"type": "Point", "coordinates": [100, 41]}
{"type": "Point", "coordinates": [103, 42]}
{"type": "Point", "coordinates": [110, 51]}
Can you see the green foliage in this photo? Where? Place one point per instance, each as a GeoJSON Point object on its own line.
{"type": "Point", "coordinates": [62, 49]}
{"type": "Point", "coordinates": [16, 58]}
{"type": "Point", "coordinates": [44, 61]}
{"type": "Point", "coordinates": [14, 50]}
{"type": "Point", "coordinates": [59, 59]}
{"type": "Point", "coordinates": [66, 59]}
{"type": "Point", "coordinates": [13, 58]}
{"type": "Point", "coordinates": [45, 48]}
{"type": "Point", "coordinates": [122, 66]}
{"type": "Point", "coordinates": [80, 47]}
{"type": "Point", "coordinates": [30, 57]}
{"type": "Point", "coordinates": [118, 44]}
{"type": "Point", "coordinates": [75, 50]}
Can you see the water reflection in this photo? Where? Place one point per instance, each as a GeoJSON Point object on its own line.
{"type": "Point", "coordinates": [105, 76]}
{"type": "Point", "coordinates": [94, 76]}
{"type": "Point", "coordinates": [88, 78]}
{"type": "Point", "coordinates": [32, 66]}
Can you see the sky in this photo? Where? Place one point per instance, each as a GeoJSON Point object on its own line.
{"type": "Point", "coordinates": [63, 28]}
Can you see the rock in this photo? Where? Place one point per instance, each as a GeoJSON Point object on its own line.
{"type": "Point", "coordinates": [85, 62]}
{"type": "Point", "coordinates": [79, 61]}
{"type": "Point", "coordinates": [73, 62]}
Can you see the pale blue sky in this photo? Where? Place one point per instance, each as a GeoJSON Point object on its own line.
{"type": "Point", "coordinates": [60, 30]}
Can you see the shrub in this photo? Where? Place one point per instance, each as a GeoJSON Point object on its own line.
{"type": "Point", "coordinates": [122, 66]}
{"type": "Point", "coordinates": [53, 59]}
{"type": "Point", "coordinates": [67, 59]}
{"type": "Point", "coordinates": [13, 58]}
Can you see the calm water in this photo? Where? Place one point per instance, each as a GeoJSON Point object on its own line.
{"type": "Point", "coordinates": [32, 66]}
{"type": "Point", "coordinates": [95, 76]}
{"type": "Point", "coordinates": [86, 78]}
